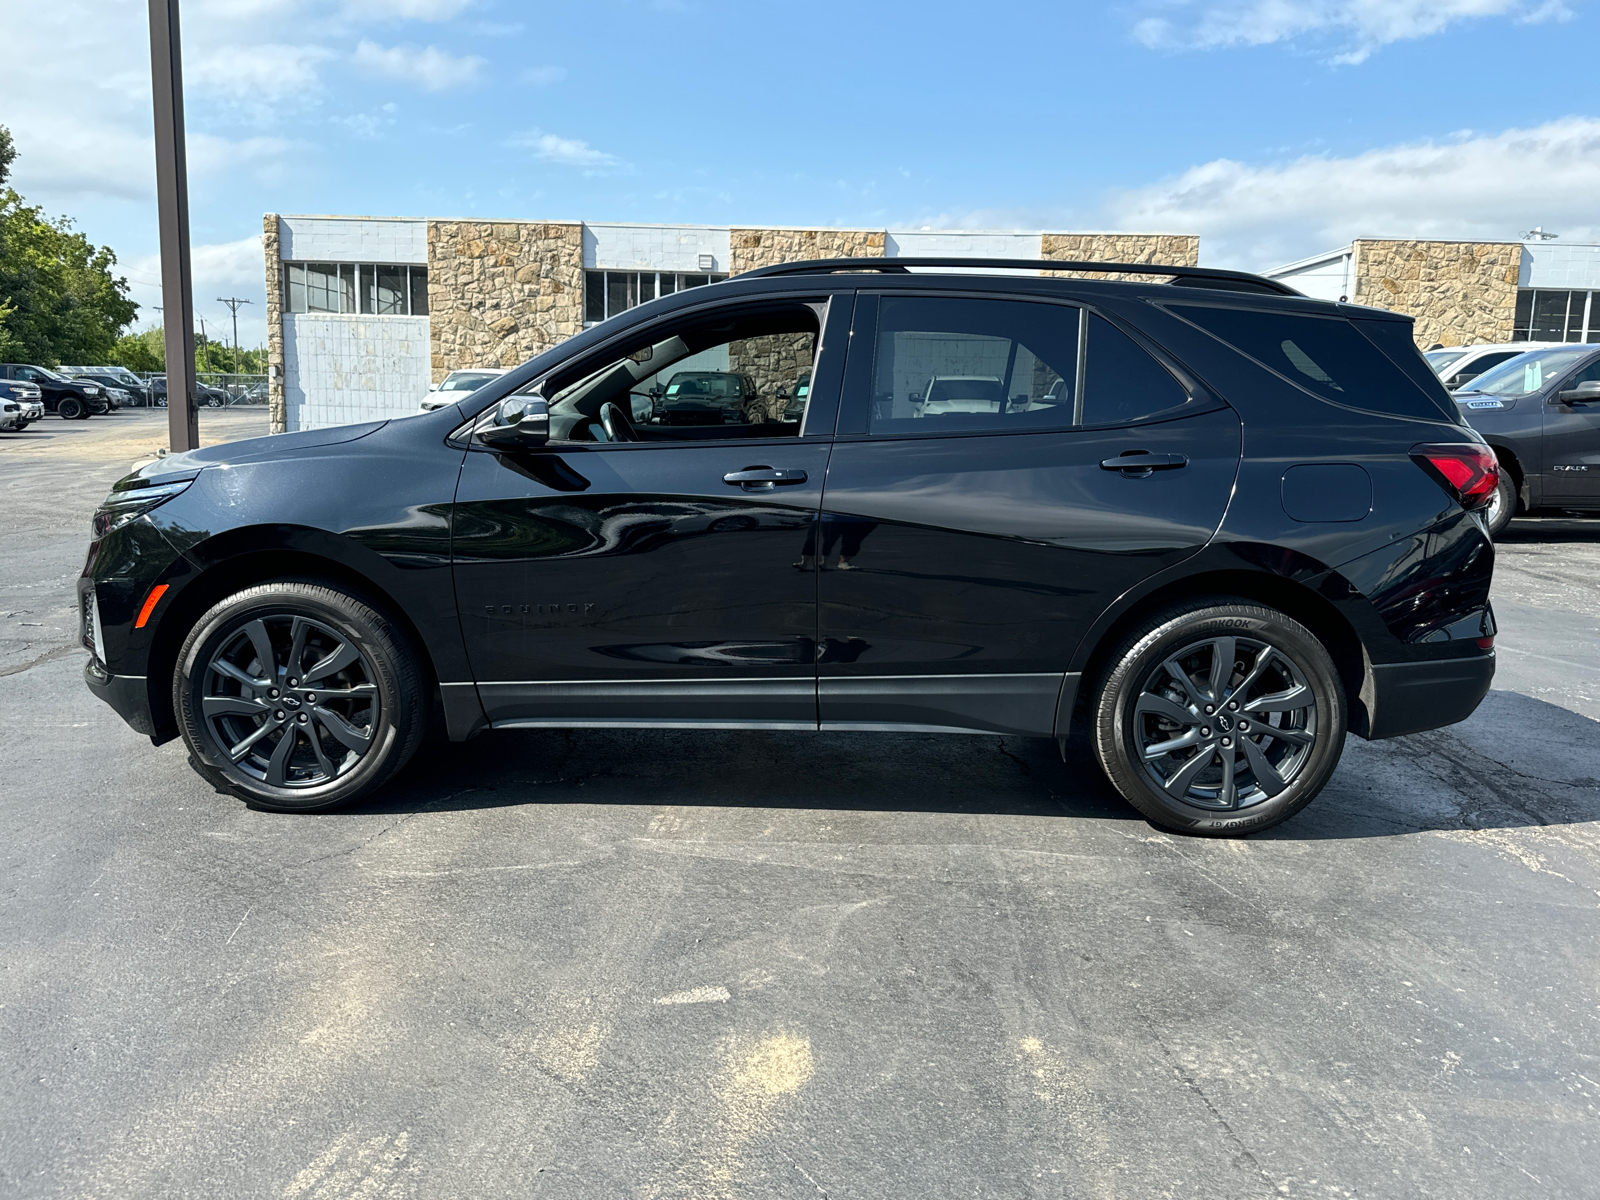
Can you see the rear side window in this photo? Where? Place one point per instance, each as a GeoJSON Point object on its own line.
{"type": "Point", "coordinates": [947, 365]}
{"type": "Point", "coordinates": [1329, 357]}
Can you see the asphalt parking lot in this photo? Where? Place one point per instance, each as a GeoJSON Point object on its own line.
{"type": "Point", "coordinates": [658, 964]}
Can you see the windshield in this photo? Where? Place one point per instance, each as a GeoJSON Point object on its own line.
{"type": "Point", "coordinates": [1440, 359]}
{"type": "Point", "coordinates": [1528, 373]}
{"type": "Point", "coordinates": [49, 374]}
{"type": "Point", "coordinates": [467, 382]}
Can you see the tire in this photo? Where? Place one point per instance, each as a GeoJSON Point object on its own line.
{"type": "Point", "coordinates": [292, 747]}
{"type": "Point", "coordinates": [1503, 506]}
{"type": "Point", "coordinates": [213, 402]}
{"type": "Point", "coordinates": [72, 409]}
{"type": "Point", "coordinates": [1258, 779]}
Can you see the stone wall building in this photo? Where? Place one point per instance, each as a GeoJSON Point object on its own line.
{"type": "Point", "coordinates": [364, 312]}
{"type": "Point", "coordinates": [1463, 293]}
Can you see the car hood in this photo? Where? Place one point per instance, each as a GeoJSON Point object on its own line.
{"type": "Point", "coordinates": [261, 449]}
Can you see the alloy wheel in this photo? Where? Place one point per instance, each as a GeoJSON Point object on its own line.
{"type": "Point", "coordinates": [1225, 723]}
{"type": "Point", "coordinates": [290, 701]}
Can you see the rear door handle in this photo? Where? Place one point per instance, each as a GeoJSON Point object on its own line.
{"type": "Point", "coordinates": [1142, 462]}
{"type": "Point", "coordinates": [764, 478]}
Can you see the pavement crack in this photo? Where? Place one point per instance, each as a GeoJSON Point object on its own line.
{"type": "Point", "coordinates": [1001, 746]}
{"type": "Point", "coordinates": [1242, 1152]}
{"type": "Point", "coordinates": [47, 656]}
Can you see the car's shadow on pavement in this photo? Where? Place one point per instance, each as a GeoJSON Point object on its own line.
{"type": "Point", "coordinates": [1551, 529]}
{"type": "Point", "coordinates": [1518, 762]}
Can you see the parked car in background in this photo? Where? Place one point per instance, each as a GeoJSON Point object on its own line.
{"type": "Point", "coordinates": [794, 399]}
{"type": "Point", "coordinates": [704, 398]}
{"type": "Point", "coordinates": [458, 384]}
{"type": "Point", "coordinates": [136, 390]}
{"type": "Point", "coordinates": [1255, 527]}
{"type": "Point", "coordinates": [28, 399]}
{"type": "Point", "coordinates": [11, 416]}
{"type": "Point", "coordinates": [1540, 413]}
{"type": "Point", "coordinates": [1472, 361]}
{"type": "Point", "coordinates": [71, 399]}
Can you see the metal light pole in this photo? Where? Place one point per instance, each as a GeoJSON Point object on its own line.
{"type": "Point", "coordinates": [172, 203]}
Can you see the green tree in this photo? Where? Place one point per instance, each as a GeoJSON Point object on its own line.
{"type": "Point", "coordinates": [59, 301]}
{"type": "Point", "coordinates": [146, 351]}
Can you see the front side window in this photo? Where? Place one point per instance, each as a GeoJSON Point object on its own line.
{"type": "Point", "coordinates": [944, 364]}
{"type": "Point", "coordinates": [709, 379]}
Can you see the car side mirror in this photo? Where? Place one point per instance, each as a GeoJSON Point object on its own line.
{"type": "Point", "coordinates": [1584, 393]}
{"type": "Point", "coordinates": [433, 387]}
{"type": "Point", "coordinates": [520, 423]}
{"type": "Point", "coordinates": [783, 393]}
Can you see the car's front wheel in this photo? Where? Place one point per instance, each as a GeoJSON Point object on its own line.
{"type": "Point", "coordinates": [297, 696]}
{"type": "Point", "coordinates": [1219, 717]}
{"type": "Point", "coordinates": [71, 409]}
{"type": "Point", "coordinates": [1502, 505]}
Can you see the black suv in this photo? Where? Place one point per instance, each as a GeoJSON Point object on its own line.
{"type": "Point", "coordinates": [1540, 413]}
{"type": "Point", "coordinates": [72, 399]}
{"type": "Point", "coordinates": [1213, 522]}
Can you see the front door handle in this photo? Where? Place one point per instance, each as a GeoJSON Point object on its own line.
{"type": "Point", "coordinates": [764, 479]}
{"type": "Point", "coordinates": [1142, 462]}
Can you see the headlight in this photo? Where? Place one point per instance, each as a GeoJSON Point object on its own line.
{"type": "Point", "coordinates": [131, 497]}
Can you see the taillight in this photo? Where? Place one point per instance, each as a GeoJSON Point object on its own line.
{"type": "Point", "coordinates": [1467, 470]}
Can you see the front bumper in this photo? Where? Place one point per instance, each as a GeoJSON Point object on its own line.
{"type": "Point", "coordinates": [1416, 696]}
{"type": "Point", "coordinates": [128, 695]}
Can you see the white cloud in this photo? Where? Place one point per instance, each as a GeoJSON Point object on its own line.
{"type": "Point", "coordinates": [407, 10]}
{"type": "Point", "coordinates": [1470, 186]}
{"type": "Point", "coordinates": [430, 67]}
{"type": "Point", "coordinates": [1363, 25]}
{"type": "Point", "coordinates": [543, 76]}
{"type": "Point", "coordinates": [219, 269]}
{"type": "Point", "coordinates": [268, 72]}
{"type": "Point", "coordinates": [568, 152]}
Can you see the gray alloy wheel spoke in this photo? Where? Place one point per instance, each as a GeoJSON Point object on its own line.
{"type": "Point", "coordinates": [225, 706]}
{"type": "Point", "coordinates": [1263, 661]}
{"type": "Point", "coordinates": [337, 661]}
{"type": "Point", "coordinates": [1162, 749]}
{"type": "Point", "coordinates": [1228, 795]}
{"type": "Point", "coordinates": [223, 667]}
{"type": "Point", "coordinates": [297, 647]}
{"type": "Point", "coordinates": [239, 749]}
{"type": "Point", "coordinates": [1266, 774]}
{"type": "Point", "coordinates": [1181, 677]}
{"type": "Point", "coordinates": [1283, 733]}
{"type": "Point", "coordinates": [359, 691]}
{"type": "Point", "coordinates": [341, 729]}
{"type": "Point", "coordinates": [1222, 651]}
{"type": "Point", "coordinates": [1178, 784]}
{"type": "Point", "coordinates": [1298, 696]}
{"type": "Point", "coordinates": [1160, 706]}
{"type": "Point", "coordinates": [278, 764]}
{"type": "Point", "coordinates": [257, 632]}
{"type": "Point", "coordinates": [323, 760]}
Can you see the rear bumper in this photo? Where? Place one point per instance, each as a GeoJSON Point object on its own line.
{"type": "Point", "coordinates": [1412, 697]}
{"type": "Point", "coordinates": [128, 696]}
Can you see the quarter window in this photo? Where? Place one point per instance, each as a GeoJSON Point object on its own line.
{"type": "Point", "coordinates": [1123, 383]}
{"type": "Point", "coordinates": [372, 289]}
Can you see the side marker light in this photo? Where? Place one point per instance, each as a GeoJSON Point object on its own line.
{"type": "Point", "coordinates": [150, 603]}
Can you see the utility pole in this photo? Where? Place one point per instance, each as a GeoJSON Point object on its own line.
{"type": "Point", "coordinates": [172, 203]}
{"type": "Point", "coordinates": [233, 303]}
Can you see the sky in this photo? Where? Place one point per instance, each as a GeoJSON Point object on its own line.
{"type": "Point", "coordinates": [1274, 129]}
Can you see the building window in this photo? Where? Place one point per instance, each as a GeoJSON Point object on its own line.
{"type": "Point", "coordinates": [1545, 315]}
{"type": "Point", "coordinates": [381, 290]}
{"type": "Point", "coordinates": [607, 293]}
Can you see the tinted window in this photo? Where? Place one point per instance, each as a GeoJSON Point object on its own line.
{"type": "Point", "coordinates": [1329, 357]}
{"type": "Point", "coordinates": [954, 365]}
{"type": "Point", "coordinates": [1123, 383]}
{"type": "Point", "coordinates": [1528, 372]}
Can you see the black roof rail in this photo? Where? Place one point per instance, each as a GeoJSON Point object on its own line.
{"type": "Point", "coordinates": [1203, 277]}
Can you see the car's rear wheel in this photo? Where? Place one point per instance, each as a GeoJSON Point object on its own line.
{"type": "Point", "coordinates": [1502, 505]}
{"type": "Point", "coordinates": [298, 696]}
{"type": "Point", "coordinates": [1219, 717]}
